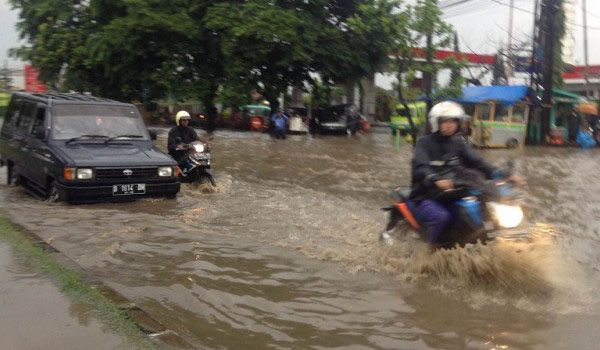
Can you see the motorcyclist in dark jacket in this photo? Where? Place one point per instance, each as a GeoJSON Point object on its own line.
{"type": "Point", "coordinates": [433, 154]}
{"type": "Point", "coordinates": [179, 135]}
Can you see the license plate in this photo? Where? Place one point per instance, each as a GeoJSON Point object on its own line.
{"type": "Point", "coordinates": [129, 189]}
{"type": "Point", "coordinates": [203, 156]}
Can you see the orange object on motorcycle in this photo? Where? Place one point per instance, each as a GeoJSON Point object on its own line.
{"type": "Point", "coordinates": [403, 208]}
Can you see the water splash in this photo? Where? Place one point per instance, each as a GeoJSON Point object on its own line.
{"type": "Point", "coordinates": [530, 274]}
{"type": "Point", "coordinates": [193, 189]}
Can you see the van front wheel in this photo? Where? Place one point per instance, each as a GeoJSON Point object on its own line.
{"type": "Point", "coordinates": [54, 195]}
{"type": "Point", "coordinates": [12, 177]}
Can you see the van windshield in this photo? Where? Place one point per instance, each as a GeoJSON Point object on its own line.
{"type": "Point", "coordinates": [72, 120]}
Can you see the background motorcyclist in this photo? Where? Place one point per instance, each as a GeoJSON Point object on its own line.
{"type": "Point", "coordinates": [181, 134]}
{"type": "Point", "coordinates": [432, 155]}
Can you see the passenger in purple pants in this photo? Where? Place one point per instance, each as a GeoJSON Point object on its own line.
{"type": "Point", "coordinates": [434, 153]}
{"type": "Point", "coordinates": [435, 216]}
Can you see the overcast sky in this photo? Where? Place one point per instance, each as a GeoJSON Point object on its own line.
{"type": "Point", "coordinates": [481, 24]}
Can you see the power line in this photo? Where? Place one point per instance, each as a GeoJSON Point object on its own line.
{"type": "Point", "coordinates": [528, 11]}
{"type": "Point", "coordinates": [466, 8]}
{"type": "Point", "coordinates": [473, 12]}
{"type": "Point", "coordinates": [588, 12]}
{"type": "Point", "coordinates": [456, 3]}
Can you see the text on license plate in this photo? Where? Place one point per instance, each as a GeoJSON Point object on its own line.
{"type": "Point", "coordinates": [129, 189]}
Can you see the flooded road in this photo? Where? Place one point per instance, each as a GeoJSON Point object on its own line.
{"type": "Point", "coordinates": [285, 253]}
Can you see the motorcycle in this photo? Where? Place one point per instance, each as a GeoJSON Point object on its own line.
{"type": "Point", "coordinates": [483, 210]}
{"type": "Point", "coordinates": [196, 167]}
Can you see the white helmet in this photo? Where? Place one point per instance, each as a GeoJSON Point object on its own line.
{"type": "Point", "coordinates": [182, 115]}
{"type": "Point", "coordinates": [445, 110]}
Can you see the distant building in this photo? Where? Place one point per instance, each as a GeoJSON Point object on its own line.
{"type": "Point", "coordinates": [575, 81]}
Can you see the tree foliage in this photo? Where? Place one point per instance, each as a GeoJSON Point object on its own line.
{"type": "Point", "coordinates": [211, 50]}
{"type": "Point", "coordinates": [273, 45]}
{"type": "Point", "coordinates": [421, 29]}
{"type": "Point", "coordinates": [385, 104]}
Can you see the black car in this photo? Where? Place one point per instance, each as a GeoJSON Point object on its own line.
{"type": "Point", "coordinates": [75, 147]}
{"type": "Point", "coordinates": [344, 118]}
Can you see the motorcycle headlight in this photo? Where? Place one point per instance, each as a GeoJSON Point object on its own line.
{"type": "Point", "coordinates": [508, 216]}
{"type": "Point", "coordinates": [199, 147]}
{"type": "Point", "coordinates": [165, 171]}
{"type": "Point", "coordinates": [84, 174]}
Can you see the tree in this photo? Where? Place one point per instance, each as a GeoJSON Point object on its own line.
{"type": "Point", "coordinates": [456, 79]}
{"type": "Point", "coordinates": [55, 32]}
{"type": "Point", "coordinates": [123, 49]}
{"type": "Point", "coordinates": [278, 44]}
{"type": "Point", "coordinates": [147, 49]}
{"type": "Point", "coordinates": [429, 27]}
{"type": "Point", "coordinates": [499, 70]}
{"type": "Point", "coordinates": [385, 104]}
{"type": "Point", "coordinates": [416, 26]}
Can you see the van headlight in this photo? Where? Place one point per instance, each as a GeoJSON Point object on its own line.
{"type": "Point", "coordinates": [165, 171]}
{"type": "Point", "coordinates": [84, 173]}
{"type": "Point", "coordinates": [199, 147]}
{"type": "Point", "coordinates": [508, 216]}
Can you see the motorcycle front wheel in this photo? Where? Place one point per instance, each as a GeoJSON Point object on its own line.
{"type": "Point", "coordinates": [212, 180]}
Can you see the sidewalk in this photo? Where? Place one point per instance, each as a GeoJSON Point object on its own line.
{"type": "Point", "coordinates": [35, 315]}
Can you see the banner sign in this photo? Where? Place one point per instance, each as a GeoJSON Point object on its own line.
{"type": "Point", "coordinates": [32, 84]}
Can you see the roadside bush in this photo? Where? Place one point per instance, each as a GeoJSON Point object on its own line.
{"type": "Point", "coordinates": [385, 102]}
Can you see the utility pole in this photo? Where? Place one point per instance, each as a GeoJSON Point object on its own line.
{"type": "Point", "coordinates": [549, 11]}
{"type": "Point", "coordinates": [509, 50]}
{"type": "Point", "coordinates": [585, 48]}
{"type": "Point", "coordinates": [533, 81]}
{"type": "Point", "coordinates": [532, 119]}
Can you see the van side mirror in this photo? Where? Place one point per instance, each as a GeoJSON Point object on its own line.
{"type": "Point", "coordinates": [152, 133]}
{"type": "Point", "coordinates": [40, 132]}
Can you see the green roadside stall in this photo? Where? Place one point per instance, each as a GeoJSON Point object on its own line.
{"type": "Point", "coordinates": [564, 103]}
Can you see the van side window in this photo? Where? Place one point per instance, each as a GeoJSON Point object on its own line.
{"type": "Point", "coordinates": [12, 114]}
{"type": "Point", "coordinates": [40, 116]}
{"type": "Point", "coordinates": [26, 116]}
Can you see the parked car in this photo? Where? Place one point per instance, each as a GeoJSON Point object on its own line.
{"type": "Point", "coordinates": [82, 148]}
{"type": "Point", "coordinates": [344, 118]}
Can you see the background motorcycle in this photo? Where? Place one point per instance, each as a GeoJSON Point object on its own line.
{"type": "Point", "coordinates": [196, 167]}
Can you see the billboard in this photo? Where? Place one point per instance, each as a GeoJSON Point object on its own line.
{"type": "Point", "coordinates": [32, 84]}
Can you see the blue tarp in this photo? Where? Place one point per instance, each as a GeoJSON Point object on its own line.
{"type": "Point", "coordinates": [505, 94]}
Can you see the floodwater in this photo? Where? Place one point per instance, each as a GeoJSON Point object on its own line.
{"type": "Point", "coordinates": [35, 315]}
{"type": "Point", "coordinates": [284, 254]}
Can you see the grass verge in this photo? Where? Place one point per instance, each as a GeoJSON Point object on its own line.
{"type": "Point", "coordinates": [73, 285]}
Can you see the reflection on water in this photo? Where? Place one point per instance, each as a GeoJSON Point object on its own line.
{"type": "Point", "coordinates": [284, 253]}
